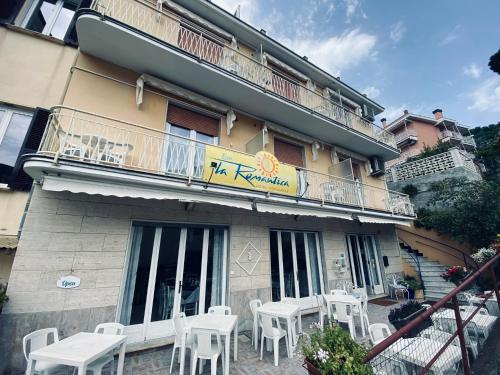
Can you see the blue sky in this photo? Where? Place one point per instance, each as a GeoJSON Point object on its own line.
{"type": "Point", "coordinates": [415, 55]}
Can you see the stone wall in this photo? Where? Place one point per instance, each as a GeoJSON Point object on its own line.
{"type": "Point", "coordinates": [88, 236]}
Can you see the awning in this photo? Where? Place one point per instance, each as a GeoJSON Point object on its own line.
{"type": "Point", "coordinates": [382, 220]}
{"type": "Point", "coordinates": [117, 190]}
{"type": "Point", "coordinates": [8, 242]}
{"type": "Point", "coordinates": [302, 211]}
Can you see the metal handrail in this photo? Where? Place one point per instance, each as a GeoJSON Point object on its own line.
{"type": "Point", "coordinates": [417, 262]}
{"type": "Point", "coordinates": [239, 64]}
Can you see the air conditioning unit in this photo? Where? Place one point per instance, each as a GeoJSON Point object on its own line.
{"type": "Point", "coordinates": [377, 166]}
{"type": "Point", "coordinates": [368, 113]}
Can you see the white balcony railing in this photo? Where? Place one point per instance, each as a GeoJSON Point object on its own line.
{"type": "Point", "coordinates": [405, 135]}
{"type": "Point", "coordinates": [450, 134]}
{"type": "Point", "coordinates": [100, 140]}
{"type": "Point", "coordinates": [469, 140]}
{"type": "Point", "coordinates": [168, 27]}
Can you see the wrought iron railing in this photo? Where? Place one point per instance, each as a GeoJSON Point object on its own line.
{"type": "Point", "coordinates": [79, 135]}
{"type": "Point", "coordinates": [168, 27]}
{"type": "Point", "coordinates": [447, 337]}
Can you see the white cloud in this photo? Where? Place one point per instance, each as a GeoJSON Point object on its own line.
{"type": "Point", "coordinates": [248, 8]}
{"type": "Point", "coordinates": [450, 37]}
{"type": "Point", "coordinates": [335, 53]}
{"type": "Point", "coordinates": [371, 91]}
{"type": "Point", "coordinates": [351, 8]}
{"type": "Point", "coordinates": [392, 112]}
{"type": "Point", "coordinates": [486, 97]}
{"type": "Point", "coordinates": [473, 71]}
{"type": "Point", "coordinates": [398, 31]}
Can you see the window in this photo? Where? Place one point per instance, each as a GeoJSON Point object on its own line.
{"type": "Point", "coordinates": [289, 153]}
{"type": "Point", "coordinates": [51, 17]}
{"type": "Point", "coordinates": [14, 125]}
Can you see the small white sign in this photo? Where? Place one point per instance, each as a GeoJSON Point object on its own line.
{"type": "Point", "coordinates": [68, 282]}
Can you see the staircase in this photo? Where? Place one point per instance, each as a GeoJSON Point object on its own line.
{"type": "Point", "coordinates": [435, 286]}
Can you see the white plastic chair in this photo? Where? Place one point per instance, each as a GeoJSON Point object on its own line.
{"type": "Point", "coordinates": [363, 314]}
{"type": "Point", "coordinates": [344, 315]}
{"type": "Point", "coordinates": [432, 333]}
{"type": "Point", "coordinates": [378, 332]}
{"type": "Point", "coordinates": [471, 334]}
{"type": "Point", "coordinates": [273, 333]}
{"type": "Point", "coordinates": [37, 340]}
{"type": "Point", "coordinates": [254, 304]}
{"type": "Point", "coordinates": [358, 292]}
{"type": "Point", "coordinates": [105, 329]}
{"type": "Point", "coordinates": [483, 329]}
{"type": "Point", "coordinates": [396, 288]}
{"type": "Point", "coordinates": [338, 292]}
{"type": "Point", "coordinates": [180, 325]}
{"type": "Point", "coordinates": [219, 310]}
{"type": "Point", "coordinates": [296, 322]}
{"type": "Point", "coordinates": [203, 347]}
{"type": "Point", "coordinates": [322, 309]}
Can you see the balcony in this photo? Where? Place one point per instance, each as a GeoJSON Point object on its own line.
{"type": "Point", "coordinates": [191, 58]}
{"type": "Point", "coordinates": [406, 137]}
{"type": "Point", "coordinates": [469, 142]}
{"type": "Point", "coordinates": [88, 141]}
{"type": "Point", "coordinates": [450, 135]}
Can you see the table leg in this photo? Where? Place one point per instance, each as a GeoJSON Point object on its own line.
{"type": "Point", "coordinates": [290, 337]}
{"type": "Point", "coordinates": [121, 359]}
{"type": "Point", "coordinates": [227, 342]}
{"type": "Point", "coordinates": [235, 348]}
{"type": "Point", "coordinates": [30, 370]}
{"type": "Point", "coordinates": [82, 370]}
{"type": "Point", "coordinates": [360, 306]}
{"type": "Point", "coordinates": [183, 354]}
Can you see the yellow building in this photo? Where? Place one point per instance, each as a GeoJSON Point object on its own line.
{"type": "Point", "coordinates": [188, 160]}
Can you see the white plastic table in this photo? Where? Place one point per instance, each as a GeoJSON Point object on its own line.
{"type": "Point", "coordinates": [491, 304]}
{"type": "Point", "coordinates": [284, 311]}
{"type": "Point", "coordinates": [420, 351]}
{"type": "Point", "coordinates": [225, 324]}
{"type": "Point", "coordinates": [79, 351]}
{"type": "Point", "coordinates": [350, 299]}
{"type": "Point", "coordinates": [484, 322]}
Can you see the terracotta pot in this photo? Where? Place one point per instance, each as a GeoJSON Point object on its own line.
{"type": "Point", "coordinates": [311, 369]}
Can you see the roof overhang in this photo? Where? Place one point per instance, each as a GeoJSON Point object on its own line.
{"type": "Point", "coordinates": [125, 46]}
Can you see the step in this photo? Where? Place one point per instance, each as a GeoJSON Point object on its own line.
{"type": "Point", "coordinates": [434, 296]}
{"type": "Point", "coordinates": [432, 267]}
{"type": "Point", "coordinates": [433, 273]}
{"type": "Point", "coordinates": [433, 284]}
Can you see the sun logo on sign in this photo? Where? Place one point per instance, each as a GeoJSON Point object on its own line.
{"type": "Point", "coordinates": [267, 164]}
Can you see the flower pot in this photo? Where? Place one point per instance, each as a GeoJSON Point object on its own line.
{"type": "Point", "coordinates": [311, 369]}
{"type": "Point", "coordinates": [419, 294]}
{"type": "Point", "coordinates": [411, 293]}
{"type": "Point", "coordinates": [400, 323]}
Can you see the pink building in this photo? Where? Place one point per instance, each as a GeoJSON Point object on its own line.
{"type": "Point", "coordinates": [413, 132]}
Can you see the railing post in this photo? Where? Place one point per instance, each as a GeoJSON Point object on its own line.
{"type": "Point", "coordinates": [461, 337]}
{"type": "Point", "coordinates": [495, 285]}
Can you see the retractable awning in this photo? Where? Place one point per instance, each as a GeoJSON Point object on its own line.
{"type": "Point", "coordinates": [301, 210]}
{"type": "Point", "coordinates": [52, 183]}
{"type": "Point", "coordinates": [382, 220]}
{"type": "Point", "coordinates": [8, 242]}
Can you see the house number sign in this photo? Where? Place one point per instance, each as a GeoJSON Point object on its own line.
{"type": "Point", "coordinates": [68, 282]}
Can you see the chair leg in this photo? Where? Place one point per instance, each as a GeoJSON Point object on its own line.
{"type": "Point", "coordinates": [287, 347]}
{"type": "Point", "coordinates": [276, 344]}
{"type": "Point", "coordinates": [213, 366]}
{"type": "Point", "coordinates": [172, 360]}
{"type": "Point", "coordinates": [261, 345]}
{"type": "Point", "coordinates": [193, 365]}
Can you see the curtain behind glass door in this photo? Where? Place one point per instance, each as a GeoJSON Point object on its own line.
{"type": "Point", "coordinates": [356, 266]}
{"type": "Point", "coordinates": [213, 292]}
{"type": "Point", "coordinates": [275, 267]}
{"type": "Point", "coordinates": [288, 269]}
{"type": "Point", "coordinates": [191, 277]}
{"type": "Point", "coordinates": [314, 262]}
{"type": "Point", "coordinates": [300, 251]}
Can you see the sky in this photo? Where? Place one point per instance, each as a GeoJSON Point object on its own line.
{"type": "Point", "coordinates": [415, 55]}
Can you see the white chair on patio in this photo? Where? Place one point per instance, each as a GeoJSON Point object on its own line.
{"type": "Point", "coordinates": [296, 322]}
{"type": "Point", "coordinates": [363, 313]}
{"type": "Point", "coordinates": [219, 310]}
{"type": "Point", "coordinates": [271, 332]}
{"type": "Point", "coordinates": [105, 329]}
{"type": "Point", "coordinates": [203, 347]}
{"type": "Point", "coordinates": [344, 312]}
{"type": "Point", "coordinates": [338, 292]}
{"type": "Point", "coordinates": [378, 332]}
{"type": "Point", "coordinates": [432, 333]}
{"type": "Point", "coordinates": [395, 287]}
{"type": "Point", "coordinates": [180, 324]}
{"type": "Point", "coordinates": [37, 340]}
{"type": "Point", "coordinates": [322, 310]}
{"type": "Point", "coordinates": [254, 304]}
{"type": "Point", "coordinates": [483, 319]}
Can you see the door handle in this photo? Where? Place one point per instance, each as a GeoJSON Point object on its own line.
{"type": "Point", "coordinates": [180, 286]}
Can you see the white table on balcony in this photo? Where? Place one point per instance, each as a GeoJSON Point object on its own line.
{"type": "Point", "coordinates": [484, 323]}
{"type": "Point", "coordinates": [283, 311]}
{"type": "Point", "coordinates": [79, 351]}
{"type": "Point", "coordinates": [491, 304]}
{"type": "Point", "coordinates": [331, 299]}
{"type": "Point", "coordinates": [225, 324]}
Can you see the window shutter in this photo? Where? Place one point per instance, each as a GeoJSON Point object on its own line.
{"type": "Point", "coordinates": [71, 38]}
{"type": "Point", "coordinates": [193, 120]}
{"type": "Point", "coordinates": [19, 179]}
{"type": "Point", "coordinates": [289, 153]}
{"type": "Point", "coordinates": [9, 10]}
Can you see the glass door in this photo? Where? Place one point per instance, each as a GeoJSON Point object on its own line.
{"type": "Point", "coordinates": [365, 266]}
{"type": "Point", "coordinates": [172, 269]}
{"type": "Point", "coordinates": [296, 267]}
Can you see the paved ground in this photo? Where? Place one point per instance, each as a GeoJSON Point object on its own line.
{"type": "Point", "coordinates": [488, 361]}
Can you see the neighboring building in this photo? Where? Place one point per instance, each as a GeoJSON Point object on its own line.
{"type": "Point", "coordinates": [191, 161]}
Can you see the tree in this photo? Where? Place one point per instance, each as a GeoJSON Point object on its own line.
{"type": "Point", "coordinates": [494, 63]}
{"type": "Point", "coordinates": [468, 211]}
{"type": "Point", "coordinates": [488, 149]}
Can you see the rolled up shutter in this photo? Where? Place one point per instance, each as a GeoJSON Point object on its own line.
{"type": "Point", "coordinates": [19, 179]}
{"type": "Point", "coordinates": [71, 38]}
{"type": "Point", "coordinates": [193, 120]}
{"type": "Point", "coordinates": [289, 153]}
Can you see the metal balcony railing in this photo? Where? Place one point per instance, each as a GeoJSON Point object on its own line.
{"type": "Point", "coordinates": [450, 134]}
{"type": "Point", "coordinates": [469, 140]}
{"type": "Point", "coordinates": [99, 140]}
{"type": "Point", "coordinates": [168, 27]}
{"type": "Point", "coordinates": [404, 135]}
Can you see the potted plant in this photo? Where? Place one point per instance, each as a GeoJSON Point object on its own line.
{"type": "Point", "coordinates": [412, 284]}
{"type": "Point", "coordinates": [405, 313]}
{"type": "Point", "coordinates": [333, 352]}
{"type": "Point", "coordinates": [3, 296]}
{"type": "Point", "coordinates": [455, 274]}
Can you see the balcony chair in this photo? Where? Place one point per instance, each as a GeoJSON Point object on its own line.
{"type": "Point", "coordinates": [363, 314]}
{"type": "Point", "coordinates": [273, 333]}
{"type": "Point", "coordinates": [180, 324]}
{"type": "Point", "coordinates": [322, 310]}
{"type": "Point", "coordinates": [38, 340]}
{"type": "Point", "coordinates": [395, 288]}
{"type": "Point", "coordinates": [297, 321]}
{"type": "Point", "coordinates": [203, 347]}
{"type": "Point", "coordinates": [344, 312]}
{"type": "Point", "coordinates": [105, 329]}
{"type": "Point", "coordinates": [254, 304]}
{"type": "Point", "coordinates": [471, 334]}
{"type": "Point", "coordinates": [378, 332]}
{"type": "Point", "coordinates": [219, 310]}
{"type": "Point", "coordinates": [338, 292]}
{"type": "Point", "coordinates": [484, 315]}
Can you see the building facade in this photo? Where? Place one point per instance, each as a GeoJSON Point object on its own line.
{"type": "Point", "coordinates": [191, 161]}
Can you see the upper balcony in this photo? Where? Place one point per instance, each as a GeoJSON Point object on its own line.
{"type": "Point", "coordinates": [139, 36]}
{"type": "Point", "coordinates": [406, 137]}
{"type": "Point", "coordinates": [103, 149]}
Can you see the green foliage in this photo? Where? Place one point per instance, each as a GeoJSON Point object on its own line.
{"type": "Point", "coordinates": [411, 282]}
{"type": "Point", "coordinates": [404, 310]}
{"type": "Point", "coordinates": [427, 151]}
{"type": "Point", "coordinates": [494, 63]}
{"type": "Point", "coordinates": [468, 211]}
{"type": "Point", "coordinates": [334, 352]}
{"type": "Point", "coordinates": [3, 295]}
{"type": "Point", "coordinates": [488, 149]}
{"type": "Point", "coordinates": [410, 189]}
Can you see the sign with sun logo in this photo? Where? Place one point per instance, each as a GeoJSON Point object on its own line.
{"type": "Point", "coordinates": [260, 172]}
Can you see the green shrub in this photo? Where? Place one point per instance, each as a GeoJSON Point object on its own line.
{"type": "Point", "coordinates": [410, 189]}
{"type": "Point", "coordinates": [404, 310]}
{"type": "Point", "coordinates": [3, 295]}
